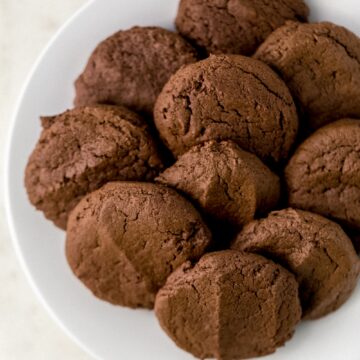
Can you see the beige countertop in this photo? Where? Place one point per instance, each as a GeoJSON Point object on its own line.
{"type": "Point", "coordinates": [26, 330]}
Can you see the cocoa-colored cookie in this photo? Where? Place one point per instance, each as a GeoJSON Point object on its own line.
{"type": "Point", "coordinates": [82, 149]}
{"type": "Point", "coordinates": [125, 239]}
{"type": "Point", "coordinates": [323, 175]}
{"type": "Point", "coordinates": [131, 67]}
{"type": "Point", "coordinates": [313, 248]}
{"type": "Point", "coordinates": [228, 184]}
{"type": "Point", "coordinates": [230, 305]}
{"type": "Point", "coordinates": [236, 26]}
{"type": "Point", "coordinates": [227, 97]}
{"type": "Point", "coordinates": [321, 65]}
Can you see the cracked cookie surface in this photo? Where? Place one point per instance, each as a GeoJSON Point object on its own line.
{"type": "Point", "coordinates": [229, 184]}
{"type": "Point", "coordinates": [314, 249]}
{"type": "Point", "coordinates": [126, 238]}
{"type": "Point", "coordinates": [235, 26]}
{"type": "Point", "coordinates": [230, 305]}
{"type": "Point", "coordinates": [227, 97]}
{"type": "Point", "coordinates": [323, 175]}
{"type": "Point", "coordinates": [82, 149]}
{"type": "Point", "coordinates": [131, 67]}
{"type": "Point", "coordinates": [321, 65]}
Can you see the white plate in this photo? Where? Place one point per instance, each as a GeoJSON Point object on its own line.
{"type": "Point", "coordinates": [106, 331]}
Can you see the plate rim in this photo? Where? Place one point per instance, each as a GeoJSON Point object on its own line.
{"type": "Point", "coordinates": [6, 188]}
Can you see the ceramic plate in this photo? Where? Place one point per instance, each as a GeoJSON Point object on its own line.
{"type": "Point", "coordinates": [106, 331]}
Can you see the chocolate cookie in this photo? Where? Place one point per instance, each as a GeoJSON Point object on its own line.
{"type": "Point", "coordinates": [125, 239]}
{"type": "Point", "coordinates": [313, 248]}
{"type": "Point", "coordinates": [324, 173]}
{"type": "Point", "coordinates": [82, 149]}
{"type": "Point", "coordinates": [236, 26]}
{"type": "Point", "coordinates": [227, 183]}
{"type": "Point", "coordinates": [230, 305]}
{"type": "Point", "coordinates": [131, 67]}
{"type": "Point", "coordinates": [321, 65]}
{"type": "Point", "coordinates": [227, 97]}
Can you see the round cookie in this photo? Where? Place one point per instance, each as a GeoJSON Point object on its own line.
{"type": "Point", "coordinates": [227, 97]}
{"type": "Point", "coordinates": [131, 67]}
{"type": "Point", "coordinates": [82, 149]}
{"type": "Point", "coordinates": [313, 248]}
{"type": "Point", "coordinates": [235, 26]}
{"type": "Point", "coordinates": [126, 238]}
{"type": "Point", "coordinates": [323, 175]}
{"type": "Point", "coordinates": [230, 305]}
{"type": "Point", "coordinates": [228, 183]}
{"type": "Point", "coordinates": [321, 65]}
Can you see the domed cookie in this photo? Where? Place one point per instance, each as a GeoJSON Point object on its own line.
{"type": "Point", "coordinates": [82, 149]}
{"type": "Point", "coordinates": [230, 305]}
{"type": "Point", "coordinates": [131, 67]}
{"type": "Point", "coordinates": [236, 26]}
{"type": "Point", "coordinates": [125, 239]}
{"type": "Point", "coordinates": [228, 184]}
{"type": "Point", "coordinates": [321, 65]}
{"type": "Point", "coordinates": [227, 97]}
{"type": "Point", "coordinates": [313, 248]}
{"type": "Point", "coordinates": [323, 175]}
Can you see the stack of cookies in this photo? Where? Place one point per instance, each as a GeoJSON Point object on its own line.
{"type": "Point", "coordinates": [212, 174]}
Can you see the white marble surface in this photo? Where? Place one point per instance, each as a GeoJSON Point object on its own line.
{"type": "Point", "coordinates": [26, 330]}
